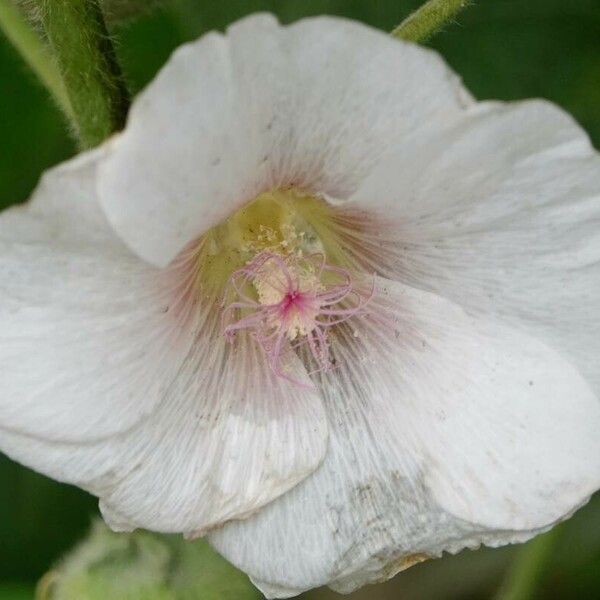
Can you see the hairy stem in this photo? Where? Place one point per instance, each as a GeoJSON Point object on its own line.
{"type": "Point", "coordinates": [86, 58]}
{"type": "Point", "coordinates": [428, 20]}
{"type": "Point", "coordinates": [34, 52]}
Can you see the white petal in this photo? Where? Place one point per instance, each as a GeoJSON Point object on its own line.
{"type": "Point", "coordinates": [174, 434]}
{"type": "Point", "coordinates": [445, 432]}
{"type": "Point", "coordinates": [76, 318]}
{"type": "Point", "coordinates": [500, 213]}
{"type": "Point", "coordinates": [313, 105]}
{"type": "Point", "coordinates": [229, 437]}
{"type": "Point", "coordinates": [252, 438]}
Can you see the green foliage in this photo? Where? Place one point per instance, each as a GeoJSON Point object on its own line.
{"type": "Point", "coordinates": [529, 567]}
{"type": "Point", "coordinates": [116, 11]}
{"type": "Point", "coordinates": [33, 50]}
{"type": "Point", "coordinates": [143, 566]}
{"type": "Point", "coordinates": [15, 592]}
{"type": "Point", "coordinates": [428, 20]}
{"type": "Point", "coordinates": [82, 48]}
{"type": "Point", "coordinates": [39, 521]}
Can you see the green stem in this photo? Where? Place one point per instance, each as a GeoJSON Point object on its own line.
{"type": "Point", "coordinates": [34, 52]}
{"type": "Point", "coordinates": [428, 20]}
{"type": "Point", "coordinates": [529, 567]}
{"type": "Point", "coordinates": [87, 61]}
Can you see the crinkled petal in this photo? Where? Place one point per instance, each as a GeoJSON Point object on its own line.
{"type": "Point", "coordinates": [314, 105]}
{"type": "Point", "coordinates": [172, 432]}
{"type": "Point", "coordinates": [499, 212]}
{"type": "Point", "coordinates": [446, 432]}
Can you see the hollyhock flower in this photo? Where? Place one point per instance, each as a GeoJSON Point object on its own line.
{"type": "Point", "coordinates": [316, 303]}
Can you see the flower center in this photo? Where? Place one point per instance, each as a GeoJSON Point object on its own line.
{"type": "Point", "coordinates": [297, 300]}
{"type": "Point", "coordinates": [277, 266]}
{"type": "Point", "coordinates": [281, 221]}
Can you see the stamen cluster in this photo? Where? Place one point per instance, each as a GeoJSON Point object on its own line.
{"type": "Point", "coordinates": [289, 302]}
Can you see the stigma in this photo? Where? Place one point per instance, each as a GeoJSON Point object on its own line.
{"type": "Point", "coordinates": [291, 302]}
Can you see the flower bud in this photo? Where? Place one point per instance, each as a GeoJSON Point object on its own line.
{"type": "Point", "coordinates": [143, 565]}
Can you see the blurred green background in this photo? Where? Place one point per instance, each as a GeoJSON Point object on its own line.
{"type": "Point", "coordinates": [505, 49]}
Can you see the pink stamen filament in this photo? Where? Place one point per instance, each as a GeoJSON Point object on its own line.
{"type": "Point", "coordinates": [302, 316]}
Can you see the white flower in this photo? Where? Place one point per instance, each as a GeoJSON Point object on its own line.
{"type": "Point", "coordinates": [316, 296]}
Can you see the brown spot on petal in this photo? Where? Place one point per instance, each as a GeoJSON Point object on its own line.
{"type": "Point", "coordinates": [403, 563]}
